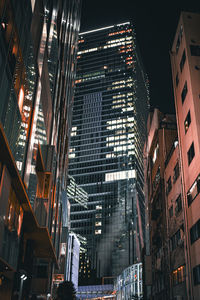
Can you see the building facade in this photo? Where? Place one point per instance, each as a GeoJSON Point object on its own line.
{"type": "Point", "coordinates": [185, 61]}
{"type": "Point", "coordinates": [108, 132]}
{"type": "Point", "coordinates": [162, 135]}
{"type": "Point", "coordinates": [128, 285]}
{"type": "Point", "coordinates": [38, 44]}
{"type": "Point", "coordinates": [72, 268]}
{"type": "Point", "coordinates": [175, 225]}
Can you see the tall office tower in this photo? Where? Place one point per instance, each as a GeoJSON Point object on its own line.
{"type": "Point", "coordinates": [185, 60]}
{"type": "Point", "coordinates": [106, 150]}
{"type": "Point", "coordinates": [38, 44]}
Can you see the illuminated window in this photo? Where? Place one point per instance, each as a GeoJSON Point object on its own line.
{"type": "Point", "coordinates": [120, 175]}
{"type": "Point", "coordinates": [178, 275]}
{"type": "Point", "coordinates": [187, 121]}
{"type": "Point", "coordinates": [98, 206]}
{"type": "Point", "coordinates": [98, 231]}
{"type": "Point", "coordinates": [194, 190]}
{"type": "Point", "coordinates": [21, 98]}
{"type": "Point", "coordinates": [98, 224]}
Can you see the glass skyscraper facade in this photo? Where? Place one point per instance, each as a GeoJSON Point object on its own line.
{"type": "Point", "coordinates": [38, 49]}
{"type": "Point", "coordinates": [108, 131]}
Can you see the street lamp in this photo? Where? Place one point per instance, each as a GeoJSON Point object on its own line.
{"type": "Point", "coordinates": [23, 277]}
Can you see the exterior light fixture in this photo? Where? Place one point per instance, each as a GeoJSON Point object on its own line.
{"type": "Point", "coordinates": [23, 277]}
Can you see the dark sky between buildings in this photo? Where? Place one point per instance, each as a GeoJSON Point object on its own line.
{"type": "Point", "coordinates": [155, 23]}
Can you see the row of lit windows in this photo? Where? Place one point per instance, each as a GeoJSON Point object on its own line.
{"type": "Point", "coordinates": [94, 137]}
{"type": "Point", "coordinates": [119, 32]}
{"type": "Point", "coordinates": [120, 40]}
{"type": "Point", "coordinates": [178, 275]}
{"type": "Point", "coordinates": [104, 47]}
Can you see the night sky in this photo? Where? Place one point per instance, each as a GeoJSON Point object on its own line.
{"type": "Point", "coordinates": [155, 23]}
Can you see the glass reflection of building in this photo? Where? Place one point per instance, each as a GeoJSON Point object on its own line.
{"type": "Point", "coordinates": [38, 44]}
{"type": "Point", "coordinates": [108, 131]}
{"type": "Point", "coordinates": [128, 285]}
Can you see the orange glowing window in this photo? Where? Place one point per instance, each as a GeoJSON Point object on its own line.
{"type": "Point", "coordinates": [20, 219]}
{"type": "Point", "coordinates": [78, 81]}
{"type": "Point", "coordinates": [81, 41]}
{"type": "Point", "coordinates": [21, 98]}
{"type": "Point", "coordinates": [14, 50]}
{"type": "Point", "coordinates": [117, 32]}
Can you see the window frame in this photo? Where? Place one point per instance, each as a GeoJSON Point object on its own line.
{"type": "Point", "coordinates": [184, 92]}
{"type": "Point", "coordinates": [187, 122]}
{"type": "Point", "coordinates": [191, 153]}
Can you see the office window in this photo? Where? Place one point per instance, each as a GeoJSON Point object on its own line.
{"type": "Point", "coordinates": [194, 190]}
{"type": "Point", "coordinates": [178, 207]}
{"type": "Point", "coordinates": [195, 232]}
{"type": "Point", "coordinates": [182, 62]}
{"type": "Point", "coordinates": [191, 154]}
{"type": "Point", "coordinates": [176, 172]}
{"type": "Point", "coordinates": [184, 92]}
{"type": "Point", "coordinates": [196, 275]}
{"type": "Point", "coordinates": [169, 185]}
{"type": "Point", "coordinates": [195, 50]}
{"type": "Point", "coordinates": [187, 121]}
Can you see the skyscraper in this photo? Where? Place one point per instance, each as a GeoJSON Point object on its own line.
{"type": "Point", "coordinates": [38, 44]}
{"type": "Point", "coordinates": [108, 131]}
